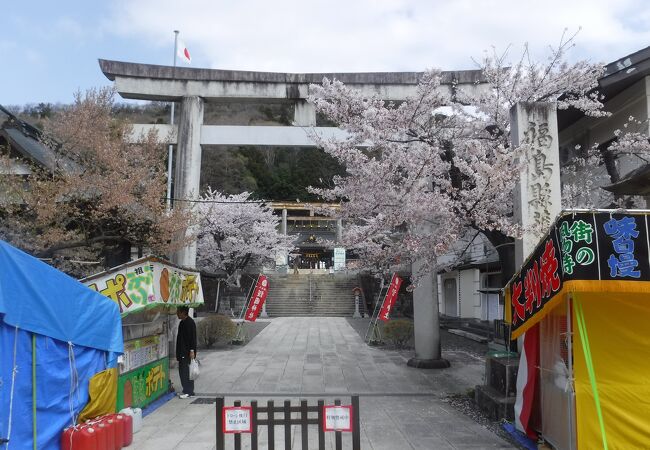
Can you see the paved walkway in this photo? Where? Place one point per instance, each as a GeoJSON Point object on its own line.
{"type": "Point", "coordinates": [312, 358]}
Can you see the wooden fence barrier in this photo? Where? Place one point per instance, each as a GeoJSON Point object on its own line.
{"type": "Point", "coordinates": [309, 415]}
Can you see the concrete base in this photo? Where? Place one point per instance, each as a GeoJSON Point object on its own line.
{"type": "Point", "coordinates": [493, 404]}
{"type": "Point", "coordinates": [501, 375]}
{"type": "Point", "coordinates": [428, 363]}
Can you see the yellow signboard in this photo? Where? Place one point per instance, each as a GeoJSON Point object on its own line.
{"type": "Point", "coordinates": [148, 282]}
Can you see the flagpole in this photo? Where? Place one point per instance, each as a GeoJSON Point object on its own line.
{"type": "Point", "coordinates": [170, 155]}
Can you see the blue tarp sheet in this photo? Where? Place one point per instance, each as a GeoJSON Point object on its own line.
{"type": "Point", "coordinates": [37, 297]}
{"type": "Point", "coordinates": [64, 315]}
{"type": "Point", "coordinates": [53, 387]}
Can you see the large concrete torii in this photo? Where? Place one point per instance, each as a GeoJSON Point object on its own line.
{"type": "Point", "coordinates": [192, 87]}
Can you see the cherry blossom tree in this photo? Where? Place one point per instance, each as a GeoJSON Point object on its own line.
{"type": "Point", "coordinates": [236, 232]}
{"type": "Point", "coordinates": [107, 197]}
{"type": "Point", "coordinates": [440, 166]}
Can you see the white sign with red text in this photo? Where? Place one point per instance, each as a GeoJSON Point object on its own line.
{"type": "Point", "coordinates": [337, 418]}
{"type": "Point", "coordinates": [237, 419]}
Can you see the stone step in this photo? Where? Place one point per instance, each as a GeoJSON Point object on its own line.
{"type": "Point", "coordinates": [330, 295]}
{"type": "Point", "coordinates": [468, 335]}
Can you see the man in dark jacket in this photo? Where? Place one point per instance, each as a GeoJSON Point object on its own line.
{"type": "Point", "coordinates": [185, 349]}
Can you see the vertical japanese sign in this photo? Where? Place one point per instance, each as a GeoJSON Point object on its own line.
{"type": "Point", "coordinates": [537, 283]}
{"type": "Point", "coordinates": [538, 199]}
{"type": "Point", "coordinates": [339, 258]}
{"type": "Point", "coordinates": [577, 236]}
{"type": "Point", "coordinates": [623, 244]}
{"type": "Point", "coordinates": [257, 299]}
{"type": "Point", "coordinates": [599, 246]}
{"type": "Point", "coordinates": [391, 297]}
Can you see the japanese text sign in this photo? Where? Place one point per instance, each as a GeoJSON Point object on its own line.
{"type": "Point", "coordinates": [143, 385]}
{"type": "Point", "coordinates": [337, 418]}
{"type": "Point", "coordinates": [599, 246]}
{"type": "Point", "coordinates": [237, 419]}
{"type": "Point", "coordinates": [391, 297]}
{"type": "Point", "coordinates": [147, 282]}
{"type": "Point", "coordinates": [257, 299]}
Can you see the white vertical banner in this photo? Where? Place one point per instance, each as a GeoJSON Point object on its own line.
{"type": "Point", "coordinates": [339, 258]}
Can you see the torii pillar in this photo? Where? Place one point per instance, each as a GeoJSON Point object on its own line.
{"type": "Point", "coordinates": [187, 173]}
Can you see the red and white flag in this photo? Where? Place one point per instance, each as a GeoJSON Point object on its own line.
{"type": "Point", "coordinates": [527, 401]}
{"type": "Point", "coordinates": [182, 52]}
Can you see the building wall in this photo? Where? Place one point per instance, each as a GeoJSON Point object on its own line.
{"type": "Point", "coordinates": [586, 132]}
{"type": "Point", "coordinates": [468, 299]}
{"type": "Point", "coordinates": [442, 297]}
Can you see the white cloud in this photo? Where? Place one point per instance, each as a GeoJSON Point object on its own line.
{"type": "Point", "coordinates": [375, 35]}
{"type": "Point", "coordinates": [70, 27]}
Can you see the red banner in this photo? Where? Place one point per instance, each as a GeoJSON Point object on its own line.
{"type": "Point", "coordinates": [257, 300]}
{"type": "Point", "coordinates": [391, 296]}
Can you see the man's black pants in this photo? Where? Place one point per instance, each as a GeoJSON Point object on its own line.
{"type": "Point", "coordinates": [184, 373]}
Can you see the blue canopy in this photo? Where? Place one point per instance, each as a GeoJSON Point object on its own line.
{"type": "Point", "coordinates": [37, 297]}
{"type": "Point", "coordinates": [55, 334]}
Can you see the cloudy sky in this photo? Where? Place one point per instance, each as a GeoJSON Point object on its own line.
{"type": "Point", "coordinates": [49, 49]}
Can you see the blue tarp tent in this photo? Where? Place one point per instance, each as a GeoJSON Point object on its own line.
{"type": "Point", "coordinates": [55, 334]}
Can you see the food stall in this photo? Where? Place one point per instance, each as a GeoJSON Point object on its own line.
{"type": "Point", "coordinates": [147, 291]}
{"type": "Point", "coordinates": [584, 294]}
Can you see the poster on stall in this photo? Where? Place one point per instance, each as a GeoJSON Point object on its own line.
{"type": "Point", "coordinates": [143, 385]}
{"type": "Point", "coordinates": [140, 352]}
{"type": "Point", "coordinates": [148, 282]}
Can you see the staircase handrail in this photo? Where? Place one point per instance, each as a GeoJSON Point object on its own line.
{"type": "Point", "coordinates": [309, 278]}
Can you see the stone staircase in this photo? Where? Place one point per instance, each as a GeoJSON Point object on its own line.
{"type": "Point", "coordinates": [311, 295]}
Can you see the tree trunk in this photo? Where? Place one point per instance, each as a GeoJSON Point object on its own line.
{"type": "Point", "coordinates": [610, 164]}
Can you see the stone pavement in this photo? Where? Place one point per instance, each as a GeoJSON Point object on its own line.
{"type": "Point", "coordinates": [313, 358]}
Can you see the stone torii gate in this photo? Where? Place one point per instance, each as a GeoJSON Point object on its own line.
{"type": "Point", "coordinates": [193, 87]}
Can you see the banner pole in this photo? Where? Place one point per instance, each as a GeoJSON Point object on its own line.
{"type": "Point", "coordinates": [375, 328]}
{"type": "Point", "coordinates": [373, 315]}
{"type": "Point", "coordinates": [240, 324]}
{"type": "Point", "coordinates": [34, 417]}
{"type": "Point", "coordinates": [571, 396]}
{"type": "Point", "coordinates": [382, 306]}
